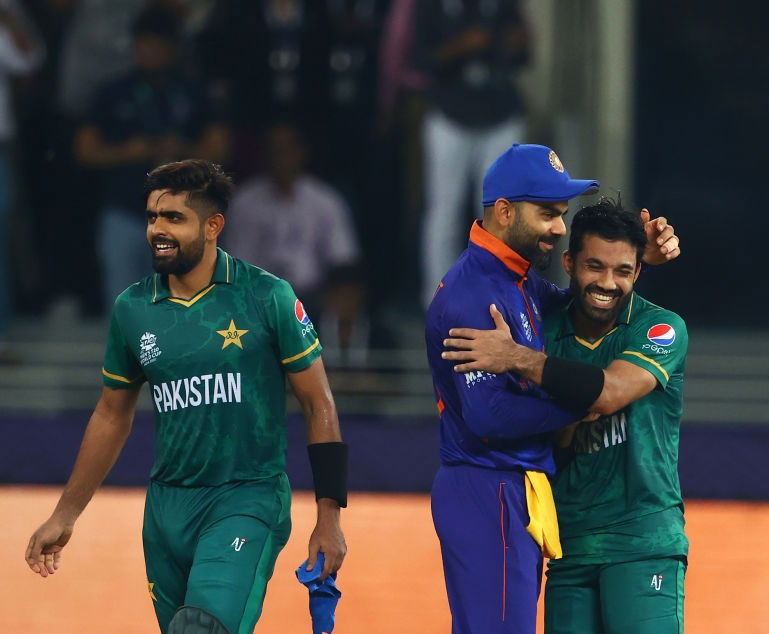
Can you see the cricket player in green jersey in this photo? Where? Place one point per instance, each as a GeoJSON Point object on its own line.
{"type": "Point", "coordinates": [215, 338]}
{"type": "Point", "coordinates": [618, 497]}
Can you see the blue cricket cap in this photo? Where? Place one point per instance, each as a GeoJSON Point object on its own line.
{"type": "Point", "coordinates": [532, 172]}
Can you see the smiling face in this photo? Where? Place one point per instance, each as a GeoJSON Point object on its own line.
{"type": "Point", "coordinates": [176, 233]}
{"type": "Point", "coordinates": [536, 230]}
{"type": "Point", "coordinates": [602, 275]}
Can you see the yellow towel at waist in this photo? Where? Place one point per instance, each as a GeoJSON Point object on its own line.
{"type": "Point", "coordinates": [543, 521]}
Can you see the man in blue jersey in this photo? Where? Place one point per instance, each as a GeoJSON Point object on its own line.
{"type": "Point", "coordinates": [492, 504]}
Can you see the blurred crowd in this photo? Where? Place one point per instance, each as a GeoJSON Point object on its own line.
{"type": "Point", "coordinates": [357, 132]}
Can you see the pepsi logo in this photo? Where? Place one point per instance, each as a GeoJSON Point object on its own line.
{"type": "Point", "coordinates": [661, 334]}
{"type": "Point", "coordinates": [301, 314]}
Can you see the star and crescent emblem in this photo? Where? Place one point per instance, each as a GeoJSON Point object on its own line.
{"type": "Point", "coordinates": [232, 335]}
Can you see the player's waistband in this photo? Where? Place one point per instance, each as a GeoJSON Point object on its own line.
{"type": "Point", "coordinates": [219, 485]}
{"type": "Point", "coordinates": [512, 467]}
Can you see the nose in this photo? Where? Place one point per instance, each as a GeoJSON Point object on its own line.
{"type": "Point", "coordinates": [558, 227]}
{"type": "Point", "coordinates": [155, 228]}
{"type": "Point", "coordinates": [606, 280]}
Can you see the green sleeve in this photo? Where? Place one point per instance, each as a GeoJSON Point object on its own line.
{"type": "Point", "coordinates": [657, 341]}
{"type": "Point", "coordinates": [121, 368]}
{"type": "Point", "coordinates": [296, 341]}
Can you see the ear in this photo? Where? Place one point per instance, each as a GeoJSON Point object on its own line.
{"type": "Point", "coordinates": [637, 272]}
{"type": "Point", "coordinates": [504, 212]}
{"type": "Point", "coordinates": [213, 226]}
{"type": "Point", "coordinates": [568, 263]}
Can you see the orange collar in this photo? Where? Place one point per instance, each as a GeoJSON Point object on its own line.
{"type": "Point", "coordinates": [482, 238]}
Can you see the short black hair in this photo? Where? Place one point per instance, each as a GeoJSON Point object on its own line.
{"type": "Point", "coordinates": [208, 188]}
{"type": "Point", "coordinates": [156, 21]}
{"type": "Point", "coordinates": [607, 219]}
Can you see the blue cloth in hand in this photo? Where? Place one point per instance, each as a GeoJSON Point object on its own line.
{"type": "Point", "coordinates": [324, 595]}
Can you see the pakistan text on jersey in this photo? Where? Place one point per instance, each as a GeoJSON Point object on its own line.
{"type": "Point", "coordinates": [603, 433]}
{"type": "Point", "coordinates": [206, 389]}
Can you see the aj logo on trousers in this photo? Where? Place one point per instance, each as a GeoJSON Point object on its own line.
{"type": "Point", "coordinates": [237, 543]}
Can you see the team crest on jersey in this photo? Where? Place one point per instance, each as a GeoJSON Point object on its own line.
{"type": "Point", "coordinates": [148, 347]}
{"type": "Point", "coordinates": [301, 314]}
{"type": "Point", "coordinates": [661, 334]}
{"type": "Point", "coordinates": [232, 335]}
{"type": "Point", "coordinates": [526, 326]}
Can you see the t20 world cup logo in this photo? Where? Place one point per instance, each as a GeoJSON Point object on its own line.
{"type": "Point", "coordinates": [147, 341]}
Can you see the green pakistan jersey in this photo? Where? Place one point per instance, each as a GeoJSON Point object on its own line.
{"type": "Point", "coordinates": [619, 499]}
{"type": "Point", "coordinates": [216, 366]}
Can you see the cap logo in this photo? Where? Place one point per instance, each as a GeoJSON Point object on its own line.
{"type": "Point", "coordinates": [555, 161]}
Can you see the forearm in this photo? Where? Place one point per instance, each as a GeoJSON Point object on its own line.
{"type": "Point", "coordinates": [103, 440]}
{"type": "Point", "coordinates": [449, 52]}
{"type": "Point", "coordinates": [323, 424]}
{"type": "Point", "coordinates": [21, 38]}
{"type": "Point", "coordinates": [324, 428]}
{"type": "Point", "coordinates": [578, 385]}
{"type": "Point", "coordinates": [527, 363]}
{"type": "Point", "coordinates": [326, 451]}
{"type": "Point", "coordinates": [471, 42]}
{"type": "Point", "coordinates": [92, 151]}
{"type": "Point", "coordinates": [324, 435]}
{"type": "Point", "coordinates": [624, 383]}
{"type": "Point", "coordinates": [601, 391]}
{"type": "Point", "coordinates": [104, 155]}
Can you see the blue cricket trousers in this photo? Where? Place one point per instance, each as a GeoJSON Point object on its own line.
{"type": "Point", "coordinates": [492, 566]}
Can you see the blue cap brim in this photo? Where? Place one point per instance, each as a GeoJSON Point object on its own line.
{"type": "Point", "coordinates": [564, 191]}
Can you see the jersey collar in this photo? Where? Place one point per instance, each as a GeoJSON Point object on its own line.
{"type": "Point", "coordinates": [224, 273]}
{"type": "Point", "coordinates": [483, 239]}
{"type": "Point", "coordinates": [566, 326]}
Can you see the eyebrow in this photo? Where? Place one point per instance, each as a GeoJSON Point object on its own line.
{"type": "Point", "coordinates": [554, 209]}
{"type": "Point", "coordinates": [624, 265]}
{"type": "Point", "coordinates": [165, 214]}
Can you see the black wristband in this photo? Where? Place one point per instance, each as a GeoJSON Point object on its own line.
{"type": "Point", "coordinates": [575, 383]}
{"type": "Point", "coordinates": [329, 470]}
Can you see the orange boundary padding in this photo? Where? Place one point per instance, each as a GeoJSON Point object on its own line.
{"type": "Point", "coordinates": [391, 580]}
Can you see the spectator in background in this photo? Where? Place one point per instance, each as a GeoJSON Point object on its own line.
{"type": "Point", "coordinates": [397, 72]}
{"type": "Point", "coordinates": [21, 52]}
{"type": "Point", "coordinates": [151, 115]}
{"type": "Point", "coordinates": [355, 27]}
{"type": "Point", "coordinates": [349, 331]}
{"type": "Point", "coordinates": [399, 124]}
{"type": "Point", "coordinates": [271, 57]}
{"type": "Point", "coordinates": [470, 51]}
{"type": "Point", "coordinates": [359, 165]}
{"type": "Point", "coordinates": [96, 48]}
{"type": "Point", "coordinates": [290, 223]}
{"type": "Point", "coordinates": [88, 42]}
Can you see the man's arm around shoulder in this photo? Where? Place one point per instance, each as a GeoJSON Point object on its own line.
{"type": "Point", "coordinates": [579, 384]}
